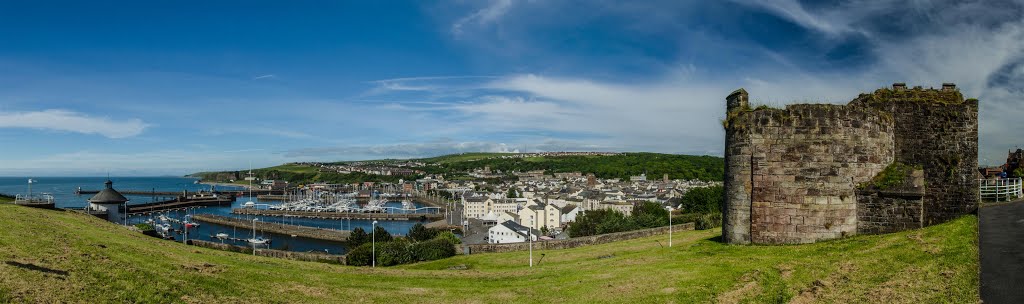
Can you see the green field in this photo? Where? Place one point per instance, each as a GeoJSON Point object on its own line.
{"type": "Point", "coordinates": [453, 158]}
{"type": "Point", "coordinates": [53, 256]}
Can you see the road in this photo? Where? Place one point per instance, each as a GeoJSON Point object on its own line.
{"type": "Point", "coordinates": [1001, 245]}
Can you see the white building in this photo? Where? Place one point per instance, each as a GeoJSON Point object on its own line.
{"type": "Point", "coordinates": [110, 201]}
{"type": "Point", "coordinates": [510, 232]}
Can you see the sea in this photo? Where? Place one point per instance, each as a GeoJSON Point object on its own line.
{"type": "Point", "coordinates": [63, 190]}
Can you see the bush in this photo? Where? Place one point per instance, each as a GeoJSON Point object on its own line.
{"type": "Point", "coordinates": [448, 235]}
{"type": "Point", "coordinates": [360, 256]}
{"type": "Point", "coordinates": [395, 252]}
{"type": "Point", "coordinates": [434, 249]}
{"type": "Point", "coordinates": [701, 221]}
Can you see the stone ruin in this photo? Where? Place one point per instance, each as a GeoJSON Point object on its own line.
{"type": "Point", "coordinates": [896, 159]}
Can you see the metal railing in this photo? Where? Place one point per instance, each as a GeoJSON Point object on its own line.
{"type": "Point", "coordinates": [1005, 189]}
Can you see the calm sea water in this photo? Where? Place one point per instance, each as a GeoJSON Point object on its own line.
{"type": "Point", "coordinates": [63, 191]}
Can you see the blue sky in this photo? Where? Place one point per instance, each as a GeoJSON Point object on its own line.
{"type": "Point", "coordinates": [172, 87]}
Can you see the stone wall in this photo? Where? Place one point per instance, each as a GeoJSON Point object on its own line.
{"type": "Point", "coordinates": [792, 174]}
{"type": "Point", "coordinates": [575, 242]}
{"type": "Point", "coordinates": [889, 211]}
{"type": "Point", "coordinates": [281, 254]}
{"type": "Point", "coordinates": [938, 130]}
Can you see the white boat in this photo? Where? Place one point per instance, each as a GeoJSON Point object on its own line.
{"type": "Point", "coordinates": [258, 241]}
{"type": "Point", "coordinates": [222, 236]}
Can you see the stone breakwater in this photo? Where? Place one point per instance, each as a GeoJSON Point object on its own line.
{"type": "Point", "coordinates": [300, 231]}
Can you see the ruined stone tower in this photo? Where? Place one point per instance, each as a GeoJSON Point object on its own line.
{"type": "Point", "coordinates": [811, 172]}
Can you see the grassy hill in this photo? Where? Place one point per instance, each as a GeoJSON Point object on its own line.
{"type": "Point", "coordinates": [53, 256]}
{"type": "Point", "coordinates": [613, 166]}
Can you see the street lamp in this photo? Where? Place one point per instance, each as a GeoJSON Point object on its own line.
{"type": "Point", "coordinates": [669, 208]}
{"type": "Point", "coordinates": [530, 236]}
{"type": "Point", "coordinates": [373, 244]}
{"type": "Point", "coordinates": [253, 240]}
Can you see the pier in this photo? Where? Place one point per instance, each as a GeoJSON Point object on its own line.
{"type": "Point", "coordinates": [342, 215]}
{"type": "Point", "coordinates": [180, 203]}
{"type": "Point", "coordinates": [284, 229]}
{"type": "Point", "coordinates": [81, 191]}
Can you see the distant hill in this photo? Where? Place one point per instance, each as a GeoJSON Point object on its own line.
{"type": "Point", "coordinates": [655, 165]}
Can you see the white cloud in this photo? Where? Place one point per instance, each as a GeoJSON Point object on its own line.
{"type": "Point", "coordinates": [484, 16]}
{"type": "Point", "coordinates": [63, 120]}
{"type": "Point", "coordinates": [440, 147]}
{"type": "Point", "coordinates": [267, 76]}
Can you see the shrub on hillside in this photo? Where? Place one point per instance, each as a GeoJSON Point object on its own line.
{"type": "Point", "coordinates": [395, 252]}
{"type": "Point", "coordinates": [360, 256]}
{"type": "Point", "coordinates": [434, 249]}
{"type": "Point", "coordinates": [448, 235]}
{"type": "Point", "coordinates": [701, 221]}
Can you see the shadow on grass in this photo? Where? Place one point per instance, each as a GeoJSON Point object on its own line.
{"type": "Point", "coordinates": [37, 268]}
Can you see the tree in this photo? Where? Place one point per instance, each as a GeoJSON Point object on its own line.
{"type": "Point", "coordinates": [357, 237]}
{"type": "Point", "coordinates": [600, 221]}
{"type": "Point", "coordinates": [703, 200]}
{"type": "Point", "coordinates": [544, 230]}
{"type": "Point", "coordinates": [381, 235]}
{"type": "Point", "coordinates": [1019, 172]}
{"type": "Point", "coordinates": [420, 233]}
{"type": "Point", "coordinates": [649, 215]}
{"type": "Point", "coordinates": [512, 193]}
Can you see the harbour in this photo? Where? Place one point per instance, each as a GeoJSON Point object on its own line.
{"type": "Point", "coordinates": [215, 217]}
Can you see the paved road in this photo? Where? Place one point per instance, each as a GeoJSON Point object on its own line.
{"type": "Point", "coordinates": [1001, 234]}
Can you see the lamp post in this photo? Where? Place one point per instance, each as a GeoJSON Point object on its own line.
{"type": "Point", "coordinates": [669, 208]}
{"type": "Point", "coordinates": [373, 244]}
{"type": "Point", "coordinates": [254, 235]}
{"type": "Point", "coordinates": [530, 236]}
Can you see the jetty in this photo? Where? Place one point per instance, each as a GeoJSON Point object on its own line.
{"type": "Point", "coordinates": [81, 191]}
{"type": "Point", "coordinates": [180, 203]}
{"type": "Point", "coordinates": [284, 229]}
{"type": "Point", "coordinates": [341, 215]}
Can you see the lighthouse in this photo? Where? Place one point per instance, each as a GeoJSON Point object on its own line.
{"type": "Point", "coordinates": [109, 201]}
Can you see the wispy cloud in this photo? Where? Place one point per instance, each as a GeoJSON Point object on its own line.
{"type": "Point", "coordinates": [441, 147]}
{"type": "Point", "coordinates": [267, 76]}
{"type": "Point", "coordinates": [69, 121]}
{"type": "Point", "coordinates": [490, 13]}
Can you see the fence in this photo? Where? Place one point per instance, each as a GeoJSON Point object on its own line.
{"type": "Point", "coordinates": [1005, 189]}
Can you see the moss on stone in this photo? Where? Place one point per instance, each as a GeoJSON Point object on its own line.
{"type": "Point", "coordinates": [894, 175]}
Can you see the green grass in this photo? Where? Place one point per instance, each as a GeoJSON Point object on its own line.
{"type": "Point", "coordinates": [294, 168]}
{"type": "Point", "coordinates": [107, 263]}
{"type": "Point", "coordinates": [6, 199]}
{"type": "Point", "coordinates": [454, 158]}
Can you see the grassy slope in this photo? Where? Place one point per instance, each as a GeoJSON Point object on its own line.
{"type": "Point", "coordinates": [106, 263]}
{"type": "Point", "coordinates": [452, 158]}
